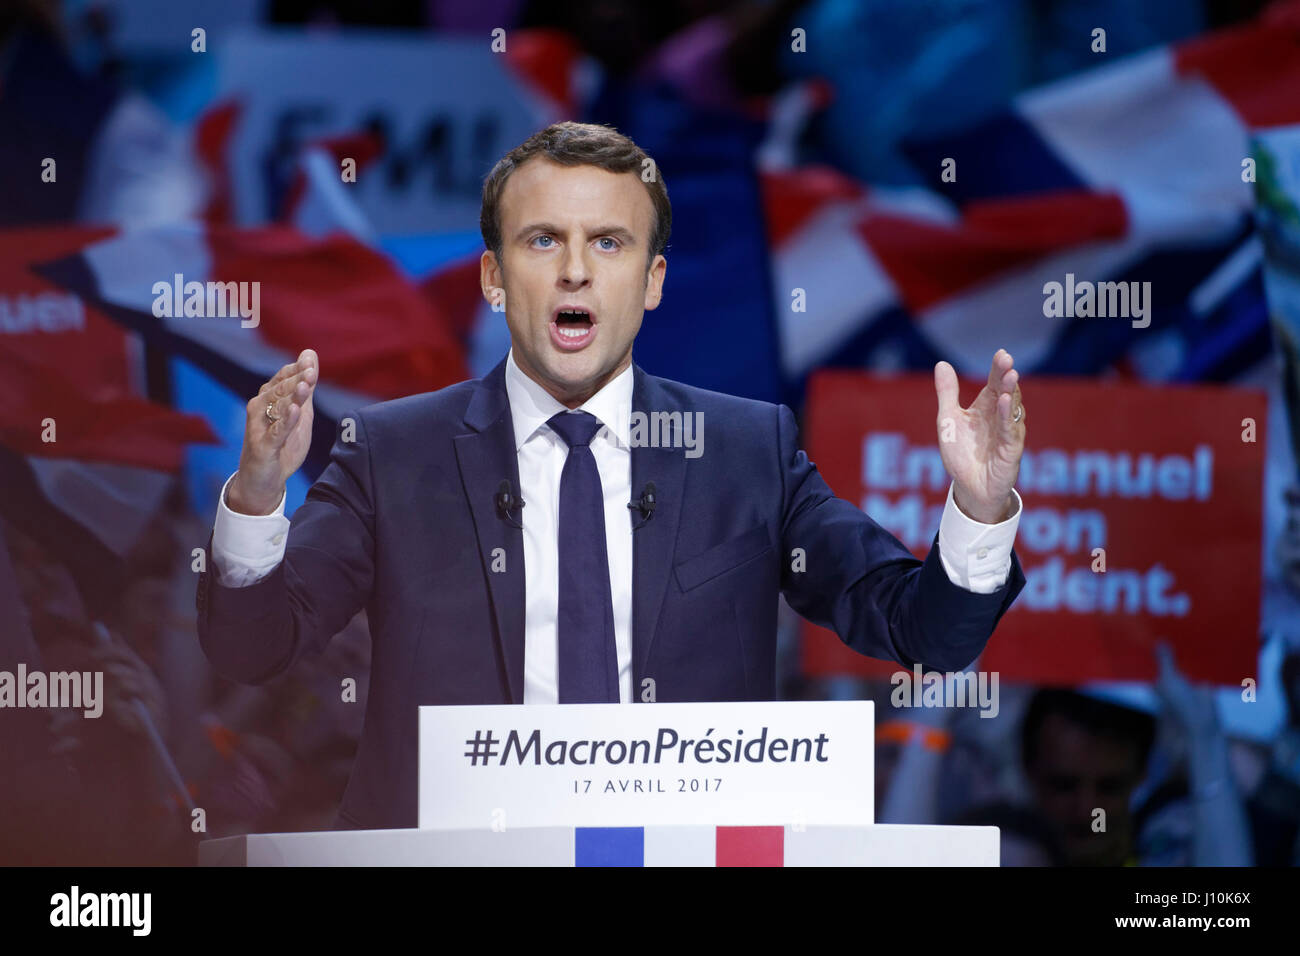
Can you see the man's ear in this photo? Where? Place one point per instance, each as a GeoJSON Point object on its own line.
{"type": "Point", "coordinates": [492, 280]}
{"type": "Point", "coordinates": [654, 285]}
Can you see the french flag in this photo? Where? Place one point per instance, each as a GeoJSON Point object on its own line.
{"type": "Point", "coordinates": [377, 335]}
{"type": "Point", "coordinates": [69, 387]}
{"type": "Point", "coordinates": [679, 846]}
{"type": "Point", "coordinates": [1168, 128]}
{"type": "Point", "coordinates": [765, 846]}
{"type": "Point", "coordinates": [1132, 171]}
{"type": "Point", "coordinates": [85, 460]}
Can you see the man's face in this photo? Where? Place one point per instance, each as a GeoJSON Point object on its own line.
{"type": "Point", "coordinates": [1075, 773]}
{"type": "Point", "coordinates": [575, 241]}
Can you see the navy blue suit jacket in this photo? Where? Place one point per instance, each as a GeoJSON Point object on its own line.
{"type": "Point", "coordinates": [403, 522]}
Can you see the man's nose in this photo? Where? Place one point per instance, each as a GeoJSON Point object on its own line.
{"type": "Point", "coordinates": [574, 270]}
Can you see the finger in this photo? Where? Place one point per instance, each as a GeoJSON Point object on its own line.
{"type": "Point", "coordinates": [1006, 422]}
{"type": "Point", "coordinates": [307, 359]}
{"type": "Point", "coordinates": [1011, 433]}
{"type": "Point", "coordinates": [288, 395]}
{"type": "Point", "coordinates": [1009, 385]}
{"type": "Point", "coordinates": [283, 429]}
{"type": "Point", "coordinates": [946, 388]}
{"type": "Point", "coordinates": [283, 405]}
{"type": "Point", "coordinates": [264, 409]}
{"type": "Point", "coordinates": [291, 418]}
{"type": "Point", "coordinates": [278, 431]}
{"type": "Point", "coordinates": [295, 387]}
{"type": "Point", "coordinates": [1002, 363]}
{"type": "Point", "coordinates": [293, 368]}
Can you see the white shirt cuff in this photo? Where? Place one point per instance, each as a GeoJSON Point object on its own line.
{"type": "Point", "coordinates": [976, 556]}
{"type": "Point", "coordinates": [246, 548]}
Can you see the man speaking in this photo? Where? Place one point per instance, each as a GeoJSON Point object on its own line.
{"type": "Point", "coordinates": [548, 534]}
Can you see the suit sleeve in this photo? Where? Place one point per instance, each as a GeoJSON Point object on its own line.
{"type": "Point", "coordinates": [863, 583]}
{"type": "Point", "coordinates": [251, 634]}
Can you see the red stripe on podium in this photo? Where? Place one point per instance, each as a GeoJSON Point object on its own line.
{"type": "Point", "coordinates": [751, 846]}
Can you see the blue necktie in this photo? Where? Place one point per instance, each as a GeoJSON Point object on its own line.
{"type": "Point", "coordinates": [588, 660]}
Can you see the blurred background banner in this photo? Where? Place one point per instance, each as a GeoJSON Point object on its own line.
{"type": "Point", "coordinates": [860, 189]}
{"type": "Point", "coordinates": [237, 303]}
{"type": "Point", "coordinates": [461, 107]}
{"type": "Point", "coordinates": [1090, 175]}
{"type": "Point", "coordinates": [1141, 524]}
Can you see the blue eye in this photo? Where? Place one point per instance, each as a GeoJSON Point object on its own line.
{"type": "Point", "coordinates": [547, 238]}
{"type": "Point", "coordinates": [613, 243]}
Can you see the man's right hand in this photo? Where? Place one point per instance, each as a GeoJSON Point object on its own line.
{"type": "Point", "coordinates": [275, 450]}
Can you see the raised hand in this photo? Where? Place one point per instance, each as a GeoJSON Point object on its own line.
{"type": "Point", "coordinates": [277, 436]}
{"type": "Point", "coordinates": [1192, 706]}
{"type": "Point", "coordinates": [981, 445]}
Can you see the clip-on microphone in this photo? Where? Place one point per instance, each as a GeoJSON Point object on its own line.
{"type": "Point", "coordinates": [645, 504]}
{"type": "Point", "coordinates": [506, 502]}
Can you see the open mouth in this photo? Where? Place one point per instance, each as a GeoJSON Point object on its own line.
{"type": "Point", "coordinates": [572, 327]}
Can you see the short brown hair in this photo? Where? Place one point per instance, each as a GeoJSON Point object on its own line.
{"type": "Point", "coordinates": [577, 144]}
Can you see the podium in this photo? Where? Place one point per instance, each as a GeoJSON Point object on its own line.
{"type": "Point", "coordinates": [725, 784]}
{"type": "Point", "coordinates": [878, 845]}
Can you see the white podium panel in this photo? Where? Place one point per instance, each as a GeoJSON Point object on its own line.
{"type": "Point", "coordinates": [760, 763]}
{"type": "Point", "coordinates": [876, 845]}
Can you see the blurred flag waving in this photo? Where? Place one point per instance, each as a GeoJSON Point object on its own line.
{"type": "Point", "coordinates": [1138, 170]}
{"type": "Point", "coordinates": [85, 461]}
{"type": "Point", "coordinates": [377, 336]}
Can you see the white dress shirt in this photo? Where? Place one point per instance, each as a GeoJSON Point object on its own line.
{"type": "Point", "coordinates": [245, 548]}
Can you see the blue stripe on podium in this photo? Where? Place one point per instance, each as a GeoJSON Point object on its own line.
{"type": "Point", "coordinates": [609, 846]}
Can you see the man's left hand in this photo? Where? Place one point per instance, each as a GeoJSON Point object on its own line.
{"type": "Point", "coordinates": [981, 445]}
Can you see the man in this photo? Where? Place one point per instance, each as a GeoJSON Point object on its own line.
{"type": "Point", "coordinates": [631, 570]}
{"type": "Point", "coordinates": [1082, 755]}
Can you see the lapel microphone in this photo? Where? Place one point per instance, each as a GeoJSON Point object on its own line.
{"type": "Point", "coordinates": [506, 502]}
{"type": "Point", "coordinates": [645, 504]}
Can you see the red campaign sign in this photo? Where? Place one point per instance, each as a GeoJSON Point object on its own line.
{"type": "Point", "coordinates": [1160, 478]}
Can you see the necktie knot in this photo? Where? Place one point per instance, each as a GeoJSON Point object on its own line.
{"type": "Point", "coordinates": [576, 428]}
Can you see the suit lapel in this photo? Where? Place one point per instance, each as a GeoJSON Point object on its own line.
{"type": "Point", "coordinates": [652, 544]}
{"type": "Point", "coordinates": [485, 455]}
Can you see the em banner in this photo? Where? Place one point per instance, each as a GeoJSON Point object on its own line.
{"type": "Point", "coordinates": [444, 108]}
{"type": "Point", "coordinates": [800, 763]}
{"type": "Point", "coordinates": [1142, 519]}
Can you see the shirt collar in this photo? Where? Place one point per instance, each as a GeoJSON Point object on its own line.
{"type": "Point", "coordinates": [531, 406]}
